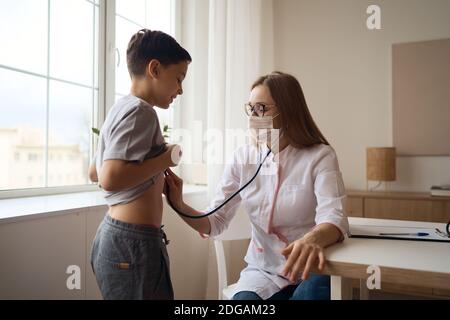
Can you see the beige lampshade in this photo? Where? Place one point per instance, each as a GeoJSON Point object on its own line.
{"type": "Point", "coordinates": [381, 164]}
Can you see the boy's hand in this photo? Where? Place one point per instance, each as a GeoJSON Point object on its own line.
{"type": "Point", "coordinates": [93, 173]}
{"type": "Point", "coordinates": [173, 189]}
{"type": "Point", "coordinates": [173, 154]}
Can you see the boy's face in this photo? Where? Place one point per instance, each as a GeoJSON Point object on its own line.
{"type": "Point", "coordinates": [167, 83]}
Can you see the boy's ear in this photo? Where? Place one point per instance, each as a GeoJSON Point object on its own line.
{"type": "Point", "coordinates": [153, 68]}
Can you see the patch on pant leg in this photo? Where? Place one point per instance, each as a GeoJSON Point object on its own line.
{"type": "Point", "coordinates": [124, 265]}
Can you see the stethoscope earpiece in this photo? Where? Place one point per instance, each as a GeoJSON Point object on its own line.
{"type": "Point", "coordinates": [447, 228]}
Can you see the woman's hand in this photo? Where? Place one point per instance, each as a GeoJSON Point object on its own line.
{"type": "Point", "coordinates": [173, 189]}
{"type": "Point", "coordinates": [302, 255]}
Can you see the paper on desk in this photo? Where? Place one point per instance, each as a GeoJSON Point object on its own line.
{"type": "Point", "coordinates": [373, 232]}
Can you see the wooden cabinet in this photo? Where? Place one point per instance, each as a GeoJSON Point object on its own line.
{"type": "Point", "coordinates": [401, 206]}
{"type": "Point", "coordinates": [398, 206]}
{"type": "Point", "coordinates": [355, 206]}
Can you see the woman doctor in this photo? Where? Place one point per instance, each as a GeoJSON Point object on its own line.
{"type": "Point", "coordinates": [295, 204]}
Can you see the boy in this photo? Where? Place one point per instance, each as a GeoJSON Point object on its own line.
{"type": "Point", "coordinates": [129, 256]}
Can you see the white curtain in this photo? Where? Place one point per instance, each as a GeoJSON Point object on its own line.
{"type": "Point", "coordinates": [240, 49]}
{"type": "Point", "coordinates": [231, 43]}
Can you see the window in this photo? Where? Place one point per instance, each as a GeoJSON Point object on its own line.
{"type": "Point", "coordinates": [150, 14]}
{"type": "Point", "coordinates": [54, 85]}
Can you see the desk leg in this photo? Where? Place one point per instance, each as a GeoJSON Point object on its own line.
{"type": "Point", "coordinates": [363, 290]}
{"type": "Point", "coordinates": [341, 288]}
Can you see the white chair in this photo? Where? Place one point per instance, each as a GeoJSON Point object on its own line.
{"type": "Point", "coordinates": [239, 229]}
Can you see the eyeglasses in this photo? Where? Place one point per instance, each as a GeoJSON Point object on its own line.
{"type": "Point", "coordinates": [259, 109]}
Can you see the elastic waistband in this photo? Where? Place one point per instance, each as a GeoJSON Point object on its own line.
{"type": "Point", "coordinates": [136, 231]}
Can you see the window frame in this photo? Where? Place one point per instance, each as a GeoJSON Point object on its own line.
{"type": "Point", "coordinates": [106, 91]}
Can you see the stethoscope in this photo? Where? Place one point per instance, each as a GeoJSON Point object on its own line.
{"type": "Point", "coordinates": [447, 229]}
{"type": "Point", "coordinates": [226, 201]}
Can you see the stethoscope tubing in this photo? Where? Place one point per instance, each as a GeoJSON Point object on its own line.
{"type": "Point", "coordinates": [447, 228]}
{"type": "Point", "coordinates": [225, 202]}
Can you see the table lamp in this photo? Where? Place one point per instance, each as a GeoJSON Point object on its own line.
{"type": "Point", "coordinates": [380, 165]}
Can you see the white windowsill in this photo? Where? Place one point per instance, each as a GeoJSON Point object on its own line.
{"type": "Point", "coordinates": [13, 210]}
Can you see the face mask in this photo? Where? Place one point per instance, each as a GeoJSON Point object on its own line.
{"type": "Point", "coordinates": [260, 128]}
{"type": "Point", "coordinates": [266, 122]}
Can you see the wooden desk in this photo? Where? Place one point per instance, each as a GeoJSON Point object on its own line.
{"type": "Point", "coordinates": [414, 263]}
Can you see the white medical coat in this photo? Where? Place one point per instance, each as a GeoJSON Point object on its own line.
{"type": "Point", "coordinates": [295, 190]}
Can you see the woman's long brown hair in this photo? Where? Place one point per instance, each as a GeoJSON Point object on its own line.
{"type": "Point", "coordinates": [297, 121]}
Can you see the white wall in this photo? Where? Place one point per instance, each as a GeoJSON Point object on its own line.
{"type": "Point", "coordinates": [345, 71]}
{"type": "Point", "coordinates": [188, 252]}
{"type": "Point", "coordinates": [35, 254]}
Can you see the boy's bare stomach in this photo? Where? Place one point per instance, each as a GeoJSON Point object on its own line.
{"type": "Point", "coordinates": [145, 210]}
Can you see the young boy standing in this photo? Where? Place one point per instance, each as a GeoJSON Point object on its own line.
{"type": "Point", "coordinates": [129, 256]}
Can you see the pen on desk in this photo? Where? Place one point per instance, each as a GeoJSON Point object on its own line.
{"type": "Point", "coordinates": [417, 234]}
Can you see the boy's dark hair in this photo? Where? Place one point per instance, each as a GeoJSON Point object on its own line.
{"type": "Point", "coordinates": [147, 45]}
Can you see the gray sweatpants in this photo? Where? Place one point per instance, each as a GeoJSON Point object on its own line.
{"type": "Point", "coordinates": [131, 262]}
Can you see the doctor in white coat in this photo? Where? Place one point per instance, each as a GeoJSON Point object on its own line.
{"type": "Point", "coordinates": [296, 209]}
